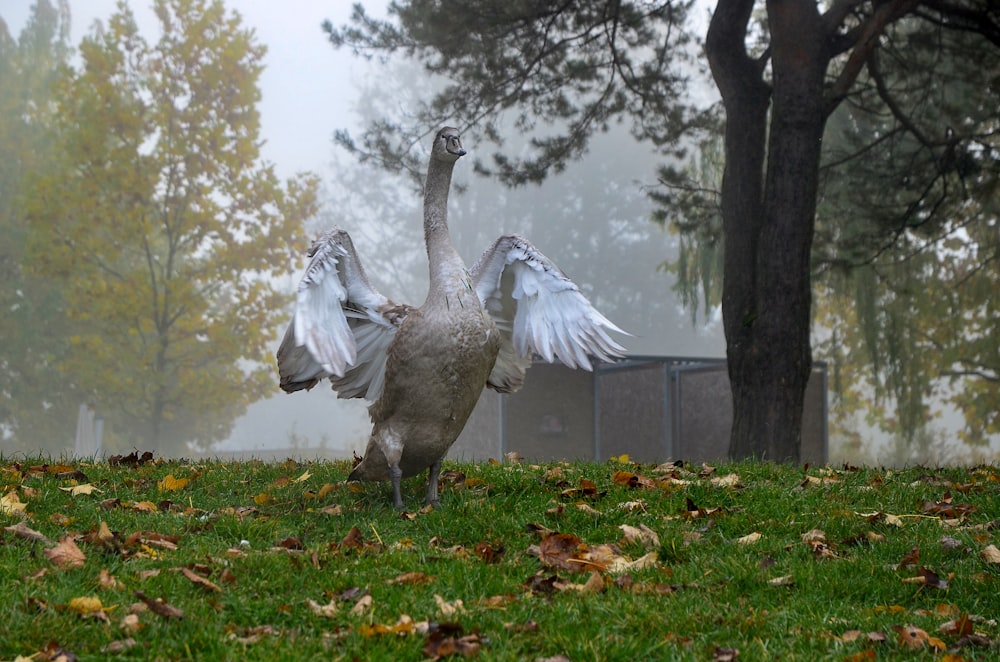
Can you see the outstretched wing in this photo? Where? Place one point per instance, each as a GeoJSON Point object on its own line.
{"type": "Point", "coordinates": [538, 311]}
{"type": "Point", "coordinates": [342, 325]}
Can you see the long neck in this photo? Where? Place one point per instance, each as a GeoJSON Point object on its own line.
{"type": "Point", "coordinates": [441, 254]}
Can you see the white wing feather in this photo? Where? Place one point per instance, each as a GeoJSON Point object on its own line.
{"type": "Point", "coordinates": [539, 311]}
{"type": "Point", "coordinates": [342, 325]}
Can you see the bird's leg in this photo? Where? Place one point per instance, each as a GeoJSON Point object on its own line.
{"type": "Point", "coordinates": [396, 475]}
{"type": "Point", "coordinates": [432, 484]}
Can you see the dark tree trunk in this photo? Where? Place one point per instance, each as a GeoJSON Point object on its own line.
{"type": "Point", "coordinates": [768, 218]}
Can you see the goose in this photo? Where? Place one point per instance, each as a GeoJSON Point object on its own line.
{"type": "Point", "coordinates": [424, 367]}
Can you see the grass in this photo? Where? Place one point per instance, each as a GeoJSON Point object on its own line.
{"type": "Point", "coordinates": [277, 542]}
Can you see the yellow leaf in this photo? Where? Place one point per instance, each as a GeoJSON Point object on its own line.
{"type": "Point", "coordinates": [171, 484]}
{"type": "Point", "coordinates": [325, 490]}
{"type": "Point", "coordinates": [304, 477]}
{"type": "Point", "coordinates": [86, 488]}
{"type": "Point", "coordinates": [621, 459]}
{"type": "Point", "coordinates": [749, 538]}
{"type": "Point", "coordinates": [262, 498]}
{"type": "Point", "coordinates": [10, 504]}
{"type": "Point", "coordinates": [84, 606]}
{"type": "Point", "coordinates": [145, 507]}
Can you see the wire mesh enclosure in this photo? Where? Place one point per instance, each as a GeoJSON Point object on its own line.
{"type": "Point", "coordinates": [653, 408]}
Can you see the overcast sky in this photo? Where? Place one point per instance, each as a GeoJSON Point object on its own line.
{"type": "Point", "coordinates": [306, 85]}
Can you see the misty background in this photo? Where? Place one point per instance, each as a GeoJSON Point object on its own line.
{"type": "Point", "coordinates": [594, 219]}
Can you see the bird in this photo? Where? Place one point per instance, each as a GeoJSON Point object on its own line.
{"type": "Point", "coordinates": [423, 368]}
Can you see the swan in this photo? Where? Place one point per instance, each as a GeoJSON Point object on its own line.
{"type": "Point", "coordinates": [423, 368]}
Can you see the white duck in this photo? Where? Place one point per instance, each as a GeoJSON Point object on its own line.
{"type": "Point", "coordinates": [424, 368]}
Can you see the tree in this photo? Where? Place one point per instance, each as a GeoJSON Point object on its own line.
{"type": "Point", "coordinates": [165, 227]}
{"type": "Point", "coordinates": [37, 406]}
{"type": "Point", "coordinates": [570, 69]}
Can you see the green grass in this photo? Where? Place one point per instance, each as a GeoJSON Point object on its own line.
{"type": "Point", "coordinates": [707, 590]}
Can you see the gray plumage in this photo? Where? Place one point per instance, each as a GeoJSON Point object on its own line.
{"type": "Point", "coordinates": [424, 368]}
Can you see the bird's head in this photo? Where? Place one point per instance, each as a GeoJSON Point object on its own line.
{"type": "Point", "coordinates": [447, 145]}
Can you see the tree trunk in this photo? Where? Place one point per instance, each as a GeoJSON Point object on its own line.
{"type": "Point", "coordinates": [768, 219]}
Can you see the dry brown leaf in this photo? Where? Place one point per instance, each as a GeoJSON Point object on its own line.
{"type": "Point", "coordinates": [328, 610]}
{"type": "Point", "coordinates": [595, 584]}
{"type": "Point", "coordinates": [729, 480]}
{"type": "Point", "coordinates": [66, 554]}
{"type": "Point", "coordinates": [159, 606]}
{"type": "Point", "coordinates": [21, 530]}
{"type": "Point", "coordinates": [910, 559]}
{"type": "Point", "coordinates": [411, 578]}
{"type": "Point", "coordinates": [107, 581]}
{"type": "Point", "coordinates": [449, 609]}
{"type": "Point", "coordinates": [362, 605]}
{"type": "Point", "coordinates": [120, 646]}
{"type": "Point", "coordinates": [990, 554]}
{"type": "Point", "coordinates": [814, 535]}
{"type": "Point", "coordinates": [785, 580]}
{"type": "Point", "coordinates": [200, 581]}
{"type": "Point", "coordinates": [642, 535]}
{"type": "Point", "coordinates": [749, 538]}
{"type": "Point", "coordinates": [130, 623]}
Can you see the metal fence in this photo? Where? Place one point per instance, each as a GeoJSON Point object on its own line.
{"type": "Point", "coordinates": [653, 408]}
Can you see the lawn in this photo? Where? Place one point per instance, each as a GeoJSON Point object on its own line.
{"type": "Point", "coordinates": [139, 558]}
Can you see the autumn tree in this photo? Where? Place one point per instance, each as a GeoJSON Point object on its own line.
{"type": "Point", "coordinates": [565, 71]}
{"type": "Point", "coordinates": [908, 259]}
{"type": "Point", "coordinates": [165, 226]}
{"type": "Point", "coordinates": [37, 406]}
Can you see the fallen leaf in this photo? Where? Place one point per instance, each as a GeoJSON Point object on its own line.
{"type": "Point", "coordinates": [411, 578]}
{"type": "Point", "coordinates": [10, 504]}
{"type": "Point", "coordinates": [303, 478]}
{"type": "Point", "coordinates": [130, 623]}
{"type": "Point", "coordinates": [362, 605]}
{"type": "Point", "coordinates": [729, 480]}
{"type": "Point", "coordinates": [449, 609]}
{"type": "Point", "coordinates": [120, 646]}
{"type": "Point", "coordinates": [491, 553]}
{"type": "Point", "coordinates": [642, 535]}
{"type": "Point", "coordinates": [785, 580]}
{"type": "Point", "coordinates": [107, 581]}
{"type": "Point", "coordinates": [328, 610]}
{"type": "Point", "coordinates": [21, 530]}
{"type": "Point", "coordinates": [66, 554]}
{"type": "Point", "coordinates": [958, 627]}
{"type": "Point", "coordinates": [86, 488]}
{"type": "Point", "coordinates": [159, 606]}
{"type": "Point", "coordinates": [910, 559]}
{"type": "Point", "coordinates": [595, 584]}
{"type": "Point", "coordinates": [914, 638]}
{"type": "Point", "coordinates": [723, 654]}
{"type": "Point", "coordinates": [990, 554]}
{"type": "Point", "coordinates": [86, 606]}
{"type": "Point", "coordinates": [441, 644]}
{"type": "Point", "coordinates": [171, 484]}
{"type": "Point", "coordinates": [200, 581]}
{"type": "Point", "coordinates": [749, 538]}
{"type": "Point", "coordinates": [403, 626]}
